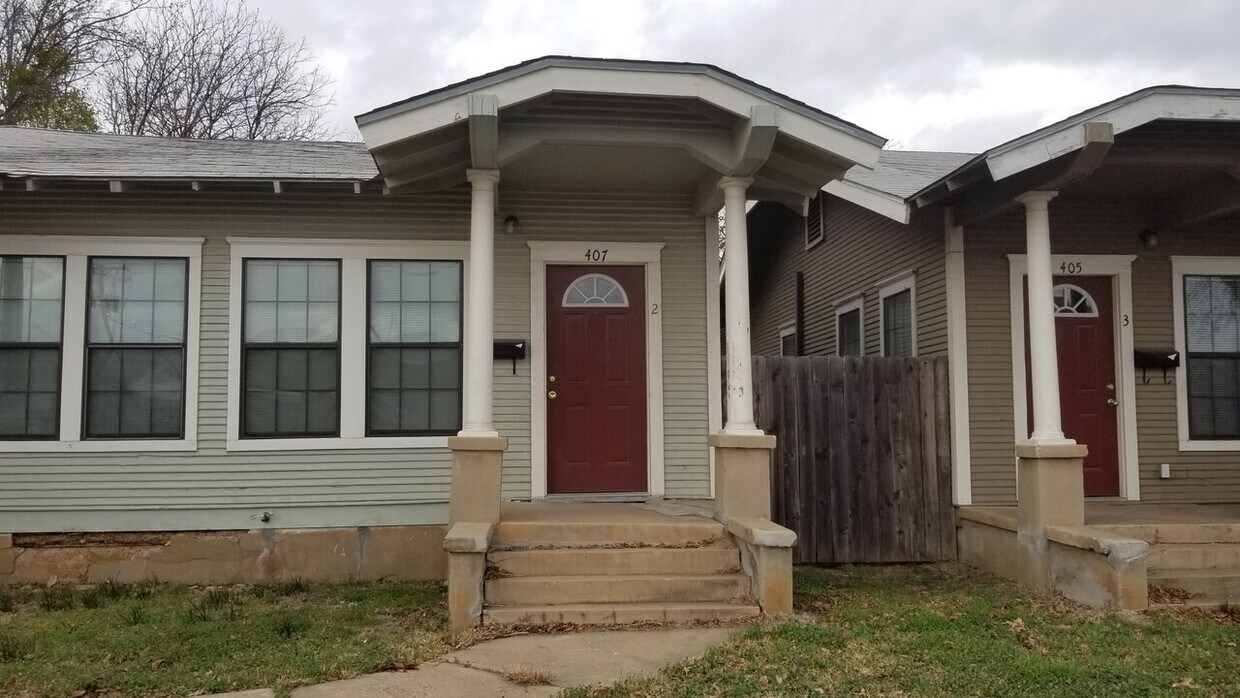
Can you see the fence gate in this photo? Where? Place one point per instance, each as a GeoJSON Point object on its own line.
{"type": "Point", "coordinates": [862, 467]}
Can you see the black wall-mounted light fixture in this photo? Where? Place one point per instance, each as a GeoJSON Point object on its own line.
{"type": "Point", "coordinates": [510, 225]}
{"type": "Point", "coordinates": [1149, 238]}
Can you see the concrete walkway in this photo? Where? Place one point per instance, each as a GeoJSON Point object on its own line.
{"type": "Point", "coordinates": [568, 660]}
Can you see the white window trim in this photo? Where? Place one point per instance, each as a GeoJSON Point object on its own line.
{"type": "Point", "coordinates": [1182, 266]}
{"type": "Point", "coordinates": [822, 223]}
{"type": "Point", "coordinates": [353, 256]}
{"type": "Point", "coordinates": [906, 281]}
{"type": "Point", "coordinates": [76, 249]}
{"type": "Point", "coordinates": [647, 254]}
{"type": "Point", "coordinates": [1120, 268]}
{"type": "Point", "coordinates": [847, 306]}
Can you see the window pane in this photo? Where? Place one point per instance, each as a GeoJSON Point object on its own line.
{"type": "Point", "coordinates": [135, 392]}
{"type": "Point", "coordinates": [30, 299]}
{"type": "Point", "coordinates": [415, 302]}
{"type": "Point", "coordinates": [292, 301]}
{"type": "Point", "coordinates": [897, 324]}
{"type": "Point", "coordinates": [291, 392]}
{"type": "Point", "coordinates": [29, 392]}
{"type": "Point", "coordinates": [848, 331]}
{"type": "Point", "coordinates": [137, 301]}
{"type": "Point", "coordinates": [414, 389]}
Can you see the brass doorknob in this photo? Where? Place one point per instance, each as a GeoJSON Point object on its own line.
{"type": "Point", "coordinates": [550, 394]}
{"type": "Point", "coordinates": [1112, 402]}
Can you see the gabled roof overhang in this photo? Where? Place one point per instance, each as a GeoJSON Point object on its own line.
{"type": "Point", "coordinates": [726, 124]}
{"type": "Point", "coordinates": [1037, 160]}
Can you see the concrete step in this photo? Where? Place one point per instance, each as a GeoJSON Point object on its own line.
{"type": "Point", "coordinates": [1193, 556]}
{"type": "Point", "coordinates": [1221, 586]}
{"type": "Point", "coordinates": [675, 531]}
{"type": "Point", "coordinates": [1177, 533]}
{"type": "Point", "coordinates": [615, 561]}
{"type": "Point", "coordinates": [613, 589]}
{"type": "Point", "coordinates": [614, 614]}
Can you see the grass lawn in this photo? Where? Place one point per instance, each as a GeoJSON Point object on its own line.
{"type": "Point", "coordinates": [948, 631]}
{"type": "Point", "coordinates": [148, 640]}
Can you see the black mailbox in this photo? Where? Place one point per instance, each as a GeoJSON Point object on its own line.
{"type": "Point", "coordinates": [1157, 358]}
{"type": "Point", "coordinates": [510, 349]}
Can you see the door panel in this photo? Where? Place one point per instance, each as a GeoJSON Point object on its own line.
{"type": "Point", "coordinates": [596, 366]}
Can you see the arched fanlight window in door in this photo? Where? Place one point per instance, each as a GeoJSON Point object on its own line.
{"type": "Point", "coordinates": [595, 289]}
{"type": "Point", "coordinates": [1073, 300]}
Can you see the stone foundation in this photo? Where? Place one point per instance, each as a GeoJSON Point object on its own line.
{"type": "Point", "coordinates": [227, 557]}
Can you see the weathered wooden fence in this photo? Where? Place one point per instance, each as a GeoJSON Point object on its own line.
{"type": "Point", "coordinates": [862, 469]}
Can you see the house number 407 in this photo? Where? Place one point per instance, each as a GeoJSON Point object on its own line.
{"type": "Point", "coordinates": [596, 255]}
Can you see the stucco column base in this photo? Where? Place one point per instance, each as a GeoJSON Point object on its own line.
{"type": "Point", "coordinates": [742, 475]}
{"type": "Point", "coordinates": [477, 462]}
{"type": "Point", "coordinates": [466, 572]}
{"type": "Point", "coordinates": [766, 556]}
{"type": "Point", "coordinates": [1050, 488]}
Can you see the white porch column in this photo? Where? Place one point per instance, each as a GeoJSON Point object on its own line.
{"type": "Point", "coordinates": [736, 310]}
{"type": "Point", "coordinates": [1043, 354]}
{"type": "Point", "coordinates": [479, 335]}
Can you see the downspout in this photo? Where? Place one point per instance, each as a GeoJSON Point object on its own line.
{"type": "Point", "coordinates": [957, 358]}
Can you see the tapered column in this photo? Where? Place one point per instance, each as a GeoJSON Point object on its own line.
{"type": "Point", "coordinates": [480, 312]}
{"type": "Point", "coordinates": [736, 310]}
{"type": "Point", "coordinates": [1043, 352]}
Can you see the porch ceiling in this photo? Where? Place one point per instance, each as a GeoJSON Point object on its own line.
{"type": "Point", "coordinates": [585, 123]}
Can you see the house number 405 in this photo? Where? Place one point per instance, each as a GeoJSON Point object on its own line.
{"type": "Point", "coordinates": [596, 255]}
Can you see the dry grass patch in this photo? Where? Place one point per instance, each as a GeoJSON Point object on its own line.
{"type": "Point", "coordinates": [528, 676]}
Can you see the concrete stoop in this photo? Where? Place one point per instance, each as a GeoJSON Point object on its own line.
{"type": "Point", "coordinates": [684, 570]}
{"type": "Point", "coordinates": [1202, 560]}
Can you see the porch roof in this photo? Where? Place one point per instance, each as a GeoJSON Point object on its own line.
{"type": "Point", "coordinates": [590, 122]}
{"type": "Point", "coordinates": [1074, 134]}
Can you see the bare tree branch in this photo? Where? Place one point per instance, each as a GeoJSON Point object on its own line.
{"type": "Point", "coordinates": [198, 69]}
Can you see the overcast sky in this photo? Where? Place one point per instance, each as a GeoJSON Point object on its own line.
{"type": "Point", "coordinates": [928, 75]}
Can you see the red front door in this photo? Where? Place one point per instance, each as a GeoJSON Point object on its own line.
{"type": "Point", "coordinates": [596, 379]}
{"type": "Point", "coordinates": [1089, 407]}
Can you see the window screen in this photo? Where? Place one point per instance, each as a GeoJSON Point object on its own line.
{"type": "Point", "coordinates": [788, 342]}
{"type": "Point", "coordinates": [1212, 319]}
{"type": "Point", "coordinates": [31, 306]}
{"type": "Point", "coordinates": [414, 348]}
{"type": "Point", "coordinates": [848, 333]}
{"type": "Point", "coordinates": [135, 347]}
{"type": "Point", "coordinates": [898, 324]}
{"type": "Point", "coordinates": [291, 349]}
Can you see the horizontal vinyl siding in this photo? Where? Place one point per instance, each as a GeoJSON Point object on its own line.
{"type": "Point", "coordinates": [1089, 229]}
{"type": "Point", "coordinates": [860, 250]}
{"type": "Point", "coordinates": [212, 488]}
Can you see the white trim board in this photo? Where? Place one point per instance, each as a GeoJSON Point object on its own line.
{"type": "Point", "coordinates": [714, 341]}
{"type": "Point", "coordinates": [647, 254]}
{"type": "Point", "coordinates": [76, 249]}
{"type": "Point", "coordinates": [1182, 266]}
{"type": "Point", "coordinates": [958, 361]}
{"type": "Point", "coordinates": [353, 256]}
{"type": "Point", "coordinates": [1119, 267]}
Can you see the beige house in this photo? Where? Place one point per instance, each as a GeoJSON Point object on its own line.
{"type": "Point", "coordinates": [275, 359]}
{"type": "Point", "coordinates": [1081, 280]}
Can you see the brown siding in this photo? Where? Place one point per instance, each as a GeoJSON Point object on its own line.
{"type": "Point", "coordinates": [1088, 229]}
{"type": "Point", "coordinates": [860, 250]}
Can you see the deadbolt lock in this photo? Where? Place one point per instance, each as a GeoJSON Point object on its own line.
{"type": "Point", "coordinates": [550, 379]}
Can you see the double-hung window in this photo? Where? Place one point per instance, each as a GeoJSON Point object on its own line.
{"type": "Point", "coordinates": [135, 347]}
{"type": "Point", "coordinates": [414, 353]}
{"type": "Point", "coordinates": [898, 317]}
{"type": "Point", "coordinates": [345, 343]}
{"type": "Point", "coordinates": [31, 308]}
{"type": "Point", "coordinates": [1212, 331]}
{"type": "Point", "coordinates": [291, 355]}
{"type": "Point", "coordinates": [849, 337]}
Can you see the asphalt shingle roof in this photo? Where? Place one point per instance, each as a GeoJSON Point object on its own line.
{"type": "Point", "coordinates": [903, 173]}
{"type": "Point", "coordinates": [34, 152]}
